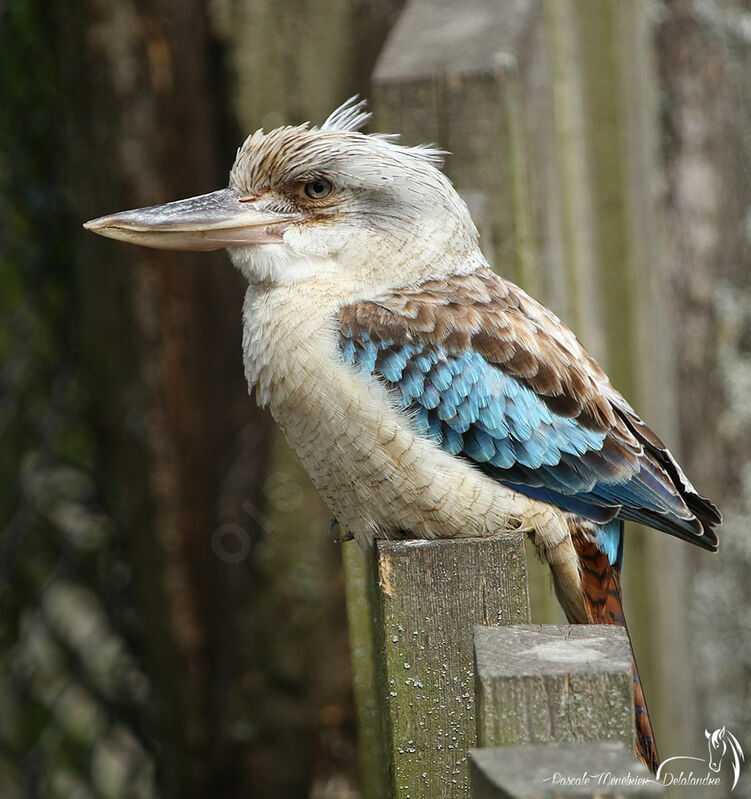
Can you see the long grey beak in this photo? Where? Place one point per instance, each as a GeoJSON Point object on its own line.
{"type": "Point", "coordinates": [209, 222]}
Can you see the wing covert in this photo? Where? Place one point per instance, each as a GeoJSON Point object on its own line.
{"type": "Point", "coordinates": [476, 365]}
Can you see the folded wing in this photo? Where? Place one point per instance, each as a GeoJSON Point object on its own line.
{"type": "Point", "coordinates": [492, 376]}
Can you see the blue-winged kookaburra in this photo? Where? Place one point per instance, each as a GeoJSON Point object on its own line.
{"type": "Point", "coordinates": [425, 394]}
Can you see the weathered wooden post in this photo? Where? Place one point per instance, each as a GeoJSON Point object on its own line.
{"type": "Point", "coordinates": [429, 689]}
{"type": "Point", "coordinates": [556, 702]}
{"type": "Point", "coordinates": [550, 683]}
{"type": "Point", "coordinates": [450, 73]}
{"type": "Point", "coordinates": [455, 74]}
{"type": "Point", "coordinates": [426, 597]}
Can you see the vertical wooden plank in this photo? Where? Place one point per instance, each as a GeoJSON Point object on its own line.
{"type": "Point", "coordinates": [571, 198]}
{"type": "Point", "coordinates": [360, 591]}
{"type": "Point", "coordinates": [430, 595]}
{"type": "Point", "coordinates": [704, 57]}
{"type": "Point", "coordinates": [448, 74]}
{"type": "Point", "coordinates": [605, 128]}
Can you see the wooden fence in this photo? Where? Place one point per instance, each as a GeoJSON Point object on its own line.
{"type": "Point", "coordinates": [458, 695]}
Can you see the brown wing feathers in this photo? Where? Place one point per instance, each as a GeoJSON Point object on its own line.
{"type": "Point", "coordinates": [483, 312]}
{"type": "Point", "coordinates": [498, 320]}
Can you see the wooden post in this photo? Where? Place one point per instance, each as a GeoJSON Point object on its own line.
{"type": "Point", "coordinates": [550, 683]}
{"type": "Point", "coordinates": [448, 74]}
{"type": "Point", "coordinates": [428, 596]}
{"type": "Point", "coordinates": [595, 770]}
{"type": "Point", "coordinates": [362, 617]}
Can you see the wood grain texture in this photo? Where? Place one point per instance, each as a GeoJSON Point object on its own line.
{"type": "Point", "coordinates": [360, 592]}
{"type": "Point", "coordinates": [430, 595]}
{"type": "Point", "coordinates": [454, 81]}
{"type": "Point", "coordinates": [550, 683]}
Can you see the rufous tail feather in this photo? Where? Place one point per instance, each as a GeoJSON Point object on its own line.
{"type": "Point", "coordinates": [601, 591]}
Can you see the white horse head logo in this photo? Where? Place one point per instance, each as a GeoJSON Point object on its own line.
{"type": "Point", "coordinates": [719, 742]}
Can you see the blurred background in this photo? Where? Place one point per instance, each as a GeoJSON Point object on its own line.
{"type": "Point", "coordinates": [172, 611]}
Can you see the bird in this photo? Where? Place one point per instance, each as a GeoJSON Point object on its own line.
{"type": "Point", "coordinates": [425, 395]}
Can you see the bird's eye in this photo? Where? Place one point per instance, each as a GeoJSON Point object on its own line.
{"type": "Point", "coordinates": [318, 189]}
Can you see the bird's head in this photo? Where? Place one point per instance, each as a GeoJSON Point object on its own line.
{"type": "Point", "coordinates": [329, 204]}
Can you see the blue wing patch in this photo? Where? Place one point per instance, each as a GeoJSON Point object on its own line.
{"type": "Point", "coordinates": [471, 408]}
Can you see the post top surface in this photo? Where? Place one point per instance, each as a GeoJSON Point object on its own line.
{"type": "Point", "coordinates": [536, 650]}
{"type": "Point", "coordinates": [448, 37]}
